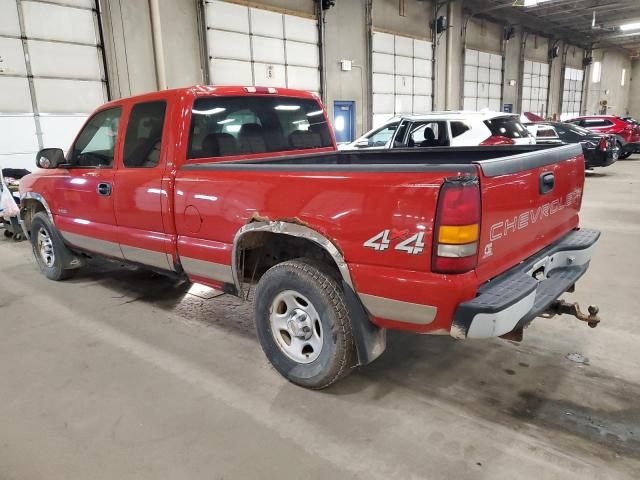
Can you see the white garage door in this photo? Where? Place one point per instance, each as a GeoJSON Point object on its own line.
{"type": "Point", "coordinates": [571, 93]}
{"type": "Point", "coordinates": [402, 76]}
{"type": "Point", "coordinates": [535, 93]}
{"type": "Point", "coordinates": [251, 46]}
{"type": "Point", "coordinates": [49, 81]}
{"type": "Point", "coordinates": [482, 80]}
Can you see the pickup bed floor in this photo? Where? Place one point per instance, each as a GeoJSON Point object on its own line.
{"type": "Point", "coordinates": [124, 374]}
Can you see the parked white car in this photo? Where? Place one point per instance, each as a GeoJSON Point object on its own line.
{"type": "Point", "coordinates": [446, 129]}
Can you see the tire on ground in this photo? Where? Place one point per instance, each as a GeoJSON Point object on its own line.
{"type": "Point", "coordinates": [54, 271]}
{"type": "Point", "coordinates": [336, 357]}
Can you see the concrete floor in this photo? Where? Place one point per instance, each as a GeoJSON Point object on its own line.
{"type": "Point", "coordinates": [121, 374]}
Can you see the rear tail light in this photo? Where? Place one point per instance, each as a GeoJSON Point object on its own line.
{"type": "Point", "coordinates": [604, 144]}
{"type": "Point", "coordinates": [457, 227]}
{"type": "Point", "coordinates": [498, 140]}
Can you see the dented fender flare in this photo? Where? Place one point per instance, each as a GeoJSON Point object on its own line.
{"type": "Point", "coordinates": [370, 340]}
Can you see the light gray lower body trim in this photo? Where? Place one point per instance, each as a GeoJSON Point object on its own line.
{"type": "Point", "coordinates": [147, 257]}
{"type": "Point", "coordinates": [397, 310]}
{"type": "Point", "coordinates": [204, 269]}
{"type": "Point", "coordinates": [487, 325]}
{"type": "Point", "coordinates": [104, 247]}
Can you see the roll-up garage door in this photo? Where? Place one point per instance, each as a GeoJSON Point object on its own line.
{"type": "Point", "coordinates": [252, 46]}
{"type": "Point", "coordinates": [535, 82]}
{"type": "Point", "coordinates": [402, 76]}
{"type": "Point", "coordinates": [571, 93]}
{"type": "Point", "coordinates": [482, 80]}
{"type": "Point", "coordinates": [51, 75]}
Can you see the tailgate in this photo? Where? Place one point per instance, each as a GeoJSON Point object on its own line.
{"type": "Point", "coordinates": [528, 202]}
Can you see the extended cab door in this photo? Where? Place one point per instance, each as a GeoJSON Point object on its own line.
{"type": "Point", "coordinates": [84, 193]}
{"type": "Point", "coordinates": [139, 193]}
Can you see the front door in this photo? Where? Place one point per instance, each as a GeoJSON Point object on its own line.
{"type": "Point", "coordinates": [140, 196]}
{"type": "Point", "coordinates": [85, 208]}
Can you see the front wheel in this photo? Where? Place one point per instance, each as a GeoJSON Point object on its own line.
{"type": "Point", "coordinates": [303, 324]}
{"type": "Point", "coordinates": [48, 248]}
{"type": "Point", "coordinates": [624, 155]}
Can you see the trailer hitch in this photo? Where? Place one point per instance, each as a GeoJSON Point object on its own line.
{"type": "Point", "coordinates": [560, 307]}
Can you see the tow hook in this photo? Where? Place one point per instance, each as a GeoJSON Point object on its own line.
{"type": "Point", "coordinates": [560, 307]}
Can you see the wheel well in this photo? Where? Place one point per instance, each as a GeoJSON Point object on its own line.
{"type": "Point", "coordinates": [257, 252]}
{"type": "Point", "coordinates": [29, 207]}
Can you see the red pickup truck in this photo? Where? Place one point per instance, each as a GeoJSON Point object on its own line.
{"type": "Point", "coordinates": [233, 186]}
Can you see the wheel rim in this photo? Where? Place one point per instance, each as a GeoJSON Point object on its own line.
{"type": "Point", "coordinates": [616, 152]}
{"type": "Point", "coordinates": [296, 326]}
{"type": "Point", "coordinates": [45, 248]}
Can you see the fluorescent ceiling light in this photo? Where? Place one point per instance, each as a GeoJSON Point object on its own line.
{"type": "Point", "coordinates": [533, 3]}
{"type": "Point", "coordinates": [226, 120]}
{"type": "Point", "coordinates": [287, 107]}
{"type": "Point", "coordinates": [314, 113]}
{"type": "Point", "coordinates": [630, 26]}
{"type": "Point", "coordinates": [212, 111]}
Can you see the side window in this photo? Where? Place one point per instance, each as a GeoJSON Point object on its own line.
{"type": "Point", "coordinates": [143, 139]}
{"type": "Point", "coordinates": [458, 128]}
{"type": "Point", "coordinates": [96, 144]}
{"type": "Point", "coordinates": [382, 137]}
{"type": "Point", "coordinates": [597, 122]}
{"type": "Point", "coordinates": [398, 141]}
{"type": "Point", "coordinates": [428, 134]}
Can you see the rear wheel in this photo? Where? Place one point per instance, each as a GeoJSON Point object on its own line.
{"type": "Point", "coordinates": [48, 249]}
{"type": "Point", "coordinates": [303, 324]}
{"type": "Point", "coordinates": [624, 155]}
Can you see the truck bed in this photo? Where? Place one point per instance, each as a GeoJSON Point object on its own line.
{"type": "Point", "coordinates": [349, 197]}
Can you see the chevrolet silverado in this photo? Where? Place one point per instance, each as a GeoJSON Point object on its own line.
{"type": "Point", "coordinates": [234, 186]}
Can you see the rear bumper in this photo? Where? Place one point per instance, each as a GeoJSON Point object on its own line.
{"type": "Point", "coordinates": [513, 299]}
{"type": "Point", "coordinates": [598, 158]}
{"type": "Point", "coordinates": [633, 147]}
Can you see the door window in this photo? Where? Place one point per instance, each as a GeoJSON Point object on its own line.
{"type": "Point", "coordinates": [96, 144]}
{"type": "Point", "coordinates": [144, 135]}
{"type": "Point", "coordinates": [428, 134]}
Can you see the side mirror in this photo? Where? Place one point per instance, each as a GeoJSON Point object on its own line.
{"type": "Point", "coordinates": [50, 158]}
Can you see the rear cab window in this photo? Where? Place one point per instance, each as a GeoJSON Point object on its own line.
{"type": "Point", "coordinates": [245, 125]}
{"type": "Point", "coordinates": [508, 126]}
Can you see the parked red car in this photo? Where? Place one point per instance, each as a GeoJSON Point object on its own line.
{"type": "Point", "coordinates": [627, 133]}
{"type": "Point", "coordinates": [229, 186]}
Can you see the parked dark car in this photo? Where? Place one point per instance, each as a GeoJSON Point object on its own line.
{"type": "Point", "coordinates": [600, 150]}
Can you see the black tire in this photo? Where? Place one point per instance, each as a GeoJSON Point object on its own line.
{"type": "Point", "coordinates": [624, 155]}
{"type": "Point", "coordinates": [53, 270]}
{"type": "Point", "coordinates": [336, 356]}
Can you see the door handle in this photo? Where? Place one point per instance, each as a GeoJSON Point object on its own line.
{"type": "Point", "coordinates": [104, 189]}
{"type": "Point", "coordinates": [547, 182]}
